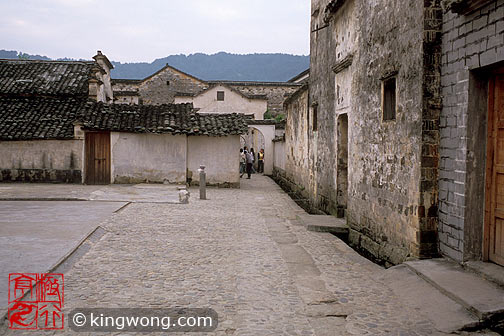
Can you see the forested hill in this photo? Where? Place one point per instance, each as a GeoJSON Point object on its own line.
{"type": "Point", "coordinates": [220, 66]}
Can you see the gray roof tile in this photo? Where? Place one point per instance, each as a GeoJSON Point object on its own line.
{"type": "Point", "coordinates": [46, 78]}
{"type": "Point", "coordinates": [38, 118]}
{"type": "Point", "coordinates": [33, 118]}
{"type": "Point", "coordinates": [167, 118]}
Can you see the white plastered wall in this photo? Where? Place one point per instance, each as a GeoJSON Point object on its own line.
{"type": "Point", "coordinates": [138, 158]}
{"type": "Point", "coordinates": [233, 103]}
{"type": "Point", "coordinates": [220, 156]}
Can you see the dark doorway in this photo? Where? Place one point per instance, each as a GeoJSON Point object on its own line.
{"type": "Point", "coordinates": [342, 164]}
{"type": "Point", "coordinates": [97, 156]}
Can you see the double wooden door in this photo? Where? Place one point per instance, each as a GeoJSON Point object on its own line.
{"type": "Point", "coordinates": [495, 171]}
{"type": "Point", "coordinates": [97, 158]}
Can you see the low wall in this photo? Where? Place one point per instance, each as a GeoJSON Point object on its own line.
{"type": "Point", "coordinates": [139, 158]}
{"type": "Point", "coordinates": [221, 157]}
{"type": "Point", "coordinates": [41, 161]}
{"type": "Point", "coordinates": [279, 156]}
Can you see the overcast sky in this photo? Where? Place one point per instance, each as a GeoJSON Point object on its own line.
{"type": "Point", "coordinates": [143, 30]}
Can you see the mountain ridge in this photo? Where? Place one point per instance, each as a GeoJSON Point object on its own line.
{"type": "Point", "coordinates": [266, 67]}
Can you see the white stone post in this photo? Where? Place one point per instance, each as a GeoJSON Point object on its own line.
{"type": "Point", "coordinates": [202, 182]}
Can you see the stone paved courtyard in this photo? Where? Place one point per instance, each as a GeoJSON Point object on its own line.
{"type": "Point", "coordinates": [245, 254]}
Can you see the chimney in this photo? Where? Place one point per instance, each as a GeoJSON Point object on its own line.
{"type": "Point", "coordinates": [105, 64]}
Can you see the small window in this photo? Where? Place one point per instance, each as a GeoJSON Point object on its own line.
{"type": "Point", "coordinates": [315, 117]}
{"type": "Point", "coordinates": [168, 83]}
{"type": "Point", "coordinates": [220, 95]}
{"type": "Point", "coordinates": [389, 99]}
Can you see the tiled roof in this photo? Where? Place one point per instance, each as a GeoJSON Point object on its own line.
{"type": "Point", "coordinates": [45, 78]}
{"type": "Point", "coordinates": [53, 118]}
{"type": "Point", "coordinates": [126, 93]}
{"type": "Point", "coordinates": [168, 118]}
{"type": "Point", "coordinates": [251, 83]}
{"type": "Point", "coordinates": [296, 78]}
{"type": "Point", "coordinates": [265, 122]}
{"type": "Point", "coordinates": [185, 94]}
{"type": "Point", "coordinates": [125, 81]}
{"type": "Point", "coordinates": [38, 118]}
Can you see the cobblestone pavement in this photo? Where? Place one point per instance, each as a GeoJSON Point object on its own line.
{"type": "Point", "coordinates": [245, 254]}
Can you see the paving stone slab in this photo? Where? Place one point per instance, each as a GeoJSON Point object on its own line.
{"type": "Point", "coordinates": [283, 237]}
{"type": "Point", "coordinates": [295, 254]}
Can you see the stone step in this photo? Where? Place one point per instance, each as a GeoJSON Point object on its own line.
{"type": "Point", "coordinates": [325, 223]}
{"type": "Point", "coordinates": [447, 315]}
{"type": "Point", "coordinates": [483, 298]}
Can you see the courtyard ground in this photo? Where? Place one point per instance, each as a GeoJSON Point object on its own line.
{"type": "Point", "coordinates": [246, 254]}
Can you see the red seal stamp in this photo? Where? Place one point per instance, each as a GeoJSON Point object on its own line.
{"type": "Point", "coordinates": [36, 301]}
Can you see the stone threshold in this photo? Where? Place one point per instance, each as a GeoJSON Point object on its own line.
{"type": "Point", "coordinates": [490, 271]}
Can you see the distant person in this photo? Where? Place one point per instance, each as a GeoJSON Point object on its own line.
{"type": "Point", "coordinates": [253, 160]}
{"type": "Point", "coordinates": [260, 161]}
{"type": "Point", "coordinates": [250, 161]}
{"type": "Point", "coordinates": [243, 162]}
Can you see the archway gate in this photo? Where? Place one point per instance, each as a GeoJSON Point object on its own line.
{"type": "Point", "coordinates": [266, 129]}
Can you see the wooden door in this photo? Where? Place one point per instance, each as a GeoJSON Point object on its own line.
{"type": "Point", "coordinates": [495, 171]}
{"type": "Point", "coordinates": [97, 158]}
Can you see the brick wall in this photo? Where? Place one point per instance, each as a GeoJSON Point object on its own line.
{"type": "Point", "coordinates": [469, 42]}
{"type": "Point", "coordinates": [431, 109]}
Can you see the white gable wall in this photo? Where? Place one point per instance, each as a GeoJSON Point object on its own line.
{"type": "Point", "coordinates": [233, 103]}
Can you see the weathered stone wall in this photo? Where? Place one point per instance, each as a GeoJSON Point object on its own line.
{"type": "Point", "coordinates": [333, 47]}
{"type": "Point", "coordinates": [161, 87]}
{"type": "Point", "coordinates": [383, 172]}
{"type": "Point", "coordinates": [296, 143]}
{"type": "Point", "coordinates": [41, 161]}
{"type": "Point", "coordinates": [125, 84]}
{"type": "Point", "coordinates": [386, 195]}
{"type": "Point", "coordinates": [126, 99]}
{"type": "Point", "coordinates": [470, 42]}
